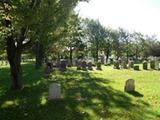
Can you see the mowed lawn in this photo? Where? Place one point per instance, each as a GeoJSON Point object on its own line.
{"type": "Point", "coordinates": [86, 95]}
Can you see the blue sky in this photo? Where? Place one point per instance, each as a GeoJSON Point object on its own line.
{"type": "Point", "coordinates": [133, 15]}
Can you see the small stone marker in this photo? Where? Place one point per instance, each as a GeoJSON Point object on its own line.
{"type": "Point", "coordinates": [54, 91]}
{"type": "Point", "coordinates": [136, 67]}
{"type": "Point", "coordinates": [145, 65]}
{"type": "Point", "coordinates": [129, 85]}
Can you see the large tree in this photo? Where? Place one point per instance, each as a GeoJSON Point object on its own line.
{"type": "Point", "coordinates": [96, 35]}
{"type": "Point", "coordinates": [21, 20]}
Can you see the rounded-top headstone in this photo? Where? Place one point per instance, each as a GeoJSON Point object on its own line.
{"type": "Point", "coordinates": [129, 85]}
{"type": "Point", "coordinates": [145, 65]}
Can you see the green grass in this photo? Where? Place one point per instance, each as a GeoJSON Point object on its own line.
{"type": "Point", "coordinates": [103, 91]}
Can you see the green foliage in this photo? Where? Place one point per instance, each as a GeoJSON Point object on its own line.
{"type": "Point", "coordinates": [96, 35]}
{"type": "Point", "coordinates": [39, 18]}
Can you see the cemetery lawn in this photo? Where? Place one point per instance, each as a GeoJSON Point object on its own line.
{"type": "Point", "coordinates": [86, 95]}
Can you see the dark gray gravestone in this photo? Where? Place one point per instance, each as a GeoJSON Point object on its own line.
{"type": "Point", "coordinates": [84, 65]}
{"type": "Point", "coordinates": [63, 65]}
{"type": "Point", "coordinates": [136, 67]}
{"type": "Point", "coordinates": [129, 85]}
{"type": "Point", "coordinates": [145, 65]}
{"type": "Point", "coordinates": [152, 64]}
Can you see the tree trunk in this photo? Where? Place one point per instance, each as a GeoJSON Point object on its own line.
{"type": "Point", "coordinates": [39, 55]}
{"type": "Point", "coordinates": [127, 55]}
{"type": "Point", "coordinates": [71, 55]}
{"type": "Point", "coordinates": [97, 53]}
{"type": "Point", "coordinates": [14, 58]}
{"type": "Point", "coordinates": [107, 55]}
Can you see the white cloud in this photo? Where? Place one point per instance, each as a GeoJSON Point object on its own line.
{"type": "Point", "coordinates": [139, 15]}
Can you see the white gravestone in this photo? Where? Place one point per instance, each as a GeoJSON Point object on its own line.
{"type": "Point", "coordinates": [54, 91]}
{"type": "Point", "coordinates": [129, 85]}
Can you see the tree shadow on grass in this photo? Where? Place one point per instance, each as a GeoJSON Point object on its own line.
{"type": "Point", "coordinates": [135, 93]}
{"type": "Point", "coordinates": [98, 99]}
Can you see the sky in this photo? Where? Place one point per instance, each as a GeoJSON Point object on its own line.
{"type": "Point", "coordinates": [133, 15]}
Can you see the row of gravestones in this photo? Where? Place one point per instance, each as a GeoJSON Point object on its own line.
{"type": "Point", "coordinates": [153, 64]}
{"type": "Point", "coordinates": [83, 65]}
{"type": "Point", "coordinates": [49, 67]}
{"type": "Point", "coordinates": [55, 89]}
{"type": "Point", "coordinates": [123, 64]}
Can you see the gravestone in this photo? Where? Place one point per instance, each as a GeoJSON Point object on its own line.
{"type": "Point", "coordinates": [129, 85]}
{"type": "Point", "coordinates": [130, 64]}
{"type": "Point", "coordinates": [145, 65]}
{"type": "Point", "coordinates": [54, 91]}
{"type": "Point", "coordinates": [99, 66]}
{"type": "Point", "coordinates": [63, 65]}
{"type": "Point", "coordinates": [136, 67]}
{"type": "Point", "coordinates": [116, 64]}
{"type": "Point", "coordinates": [84, 65]}
{"type": "Point", "coordinates": [152, 64]}
{"type": "Point", "coordinates": [90, 66]}
{"type": "Point", "coordinates": [48, 69]}
{"type": "Point", "coordinates": [156, 67]}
